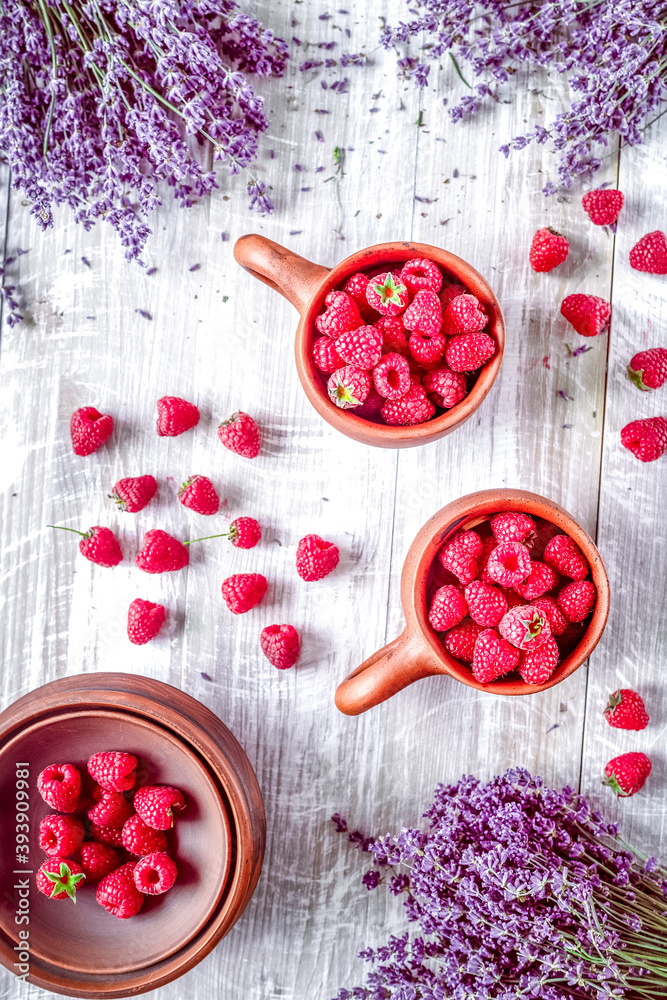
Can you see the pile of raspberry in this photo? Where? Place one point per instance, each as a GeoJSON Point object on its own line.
{"type": "Point", "coordinates": [106, 837]}
{"type": "Point", "coordinates": [512, 594]}
{"type": "Point", "coordinates": [398, 347]}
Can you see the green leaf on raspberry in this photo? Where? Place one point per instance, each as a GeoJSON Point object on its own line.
{"type": "Point", "coordinates": [390, 290]}
{"type": "Point", "coordinates": [65, 881]}
{"type": "Point", "coordinates": [534, 627]}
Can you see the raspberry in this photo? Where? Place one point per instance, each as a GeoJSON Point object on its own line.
{"type": "Point", "coordinates": [526, 627]}
{"type": "Point", "coordinates": [356, 286]}
{"type": "Point", "coordinates": [545, 532]}
{"type": "Point", "coordinates": [240, 434]}
{"type": "Point", "coordinates": [315, 558]}
{"type": "Point", "coordinates": [243, 591]}
{"type": "Point", "coordinates": [493, 656]}
{"type": "Point", "coordinates": [118, 894]}
{"type": "Point", "coordinates": [548, 249]}
{"type": "Point", "coordinates": [391, 376]}
{"type": "Point", "coordinates": [144, 621]}
{"type": "Point", "coordinates": [461, 554]}
{"type": "Point", "coordinates": [424, 314]}
{"type": "Point", "coordinates": [387, 294]}
{"type": "Point", "coordinates": [371, 406]}
{"type": "Point", "coordinates": [564, 555]}
{"type": "Point", "coordinates": [89, 429]}
{"type": "Point", "coordinates": [603, 205]}
{"type": "Point", "coordinates": [512, 526]}
{"type": "Point", "coordinates": [625, 710]}
{"type": "Point", "coordinates": [509, 564]}
{"type": "Point", "coordinates": [450, 387]}
{"type": "Point", "coordinates": [451, 292]}
{"type": "Point", "coordinates": [281, 645]}
{"type": "Point", "coordinates": [588, 314]}
{"type": "Point", "coordinates": [112, 808]}
{"type": "Point", "coordinates": [61, 836]}
{"type": "Point", "coordinates": [154, 874]}
{"type": "Point", "coordinates": [361, 347]}
{"type": "Point", "coordinates": [646, 439]}
{"type": "Point", "coordinates": [161, 553]}
{"type": "Point", "coordinates": [548, 607]}
{"type": "Point", "coordinates": [175, 416]}
{"type": "Point", "coordinates": [413, 408]}
{"type": "Point", "coordinates": [157, 804]}
{"type": "Point", "coordinates": [325, 356]}
{"type": "Point", "coordinates": [464, 314]}
{"type": "Point", "coordinates": [648, 369]}
{"type": "Point", "coordinates": [99, 545]}
{"type": "Point", "coordinates": [97, 860]}
{"type": "Point", "coordinates": [139, 838]}
{"type": "Point", "coordinates": [59, 878]}
{"type": "Point", "coordinates": [60, 787]}
{"type": "Point", "coordinates": [469, 351]}
{"type": "Point", "coordinates": [111, 835]}
{"type": "Point", "coordinates": [394, 338]}
{"type": "Point", "coordinates": [427, 351]}
{"type": "Point", "coordinates": [513, 599]}
{"type": "Point", "coordinates": [488, 545]}
{"type": "Point", "coordinates": [132, 494]}
{"type": "Point", "coordinates": [537, 665]}
{"type": "Point", "coordinates": [650, 253]}
{"type": "Point", "coordinates": [576, 600]}
{"type": "Point", "coordinates": [486, 604]}
{"type": "Point", "coordinates": [340, 315]}
{"type": "Point", "coordinates": [542, 579]}
{"type": "Point", "coordinates": [419, 274]}
{"type": "Point", "coordinates": [200, 495]}
{"type": "Point", "coordinates": [460, 641]}
{"type": "Point", "coordinates": [448, 608]}
{"type": "Point", "coordinates": [113, 770]}
{"type": "Point", "coordinates": [626, 774]}
{"type": "Point", "coordinates": [245, 532]}
{"type": "Point", "coordinates": [348, 387]}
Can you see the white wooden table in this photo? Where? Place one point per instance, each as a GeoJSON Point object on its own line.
{"type": "Point", "coordinates": [224, 341]}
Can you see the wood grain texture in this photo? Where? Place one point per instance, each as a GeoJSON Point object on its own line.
{"type": "Point", "coordinates": [224, 341]}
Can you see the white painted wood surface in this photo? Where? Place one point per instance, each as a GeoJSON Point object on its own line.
{"type": "Point", "coordinates": [224, 341]}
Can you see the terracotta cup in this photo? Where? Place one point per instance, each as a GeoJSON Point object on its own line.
{"type": "Point", "coordinates": [418, 651]}
{"type": "Point", "coordinates": [306, 286]}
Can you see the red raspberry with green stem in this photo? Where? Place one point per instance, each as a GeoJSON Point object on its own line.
{"type": "Point", "coordinates": [348, 387]}
{"type": "Point", "coordinates": [99, 545]}
{"type": "Point", "coordinates": [526, 627]}
{"type": "Point", "coordinates": [387, 294]}
{"type": "Point", "coordinates": [134, 493]}
{"type": "Point", "coordinates": [240, 434]}
{"type": "Point", "coordinates": [158, 804]}
{"type": "Point", "coordinates": [200, 495]}
{"type": "Point", "coordinates": [59, 878]}
{"type": "Point", "coordinates": [648, 369]}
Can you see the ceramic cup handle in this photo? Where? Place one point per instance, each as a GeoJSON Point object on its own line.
{"type": "Point", "coordinates": [391, 669]}
{"type": "Point", "coordinates": [294, 277]}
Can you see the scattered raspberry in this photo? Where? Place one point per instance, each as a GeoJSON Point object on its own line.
{"type": "Point", "coordinates": [89, 430]}
{"type": "Point", "coordinates": [371, 406]}
{"type": "Point", "coordinates": [450, 387]}
{"type": "Point", "coordinates": [625, 710]}
{"type": "Point", "coordinates": [576, 600]}
{"type": "Point", "coordinates": [118, 894]}
{"type": "Point", "coordinates": [240, 434]}
{"type": "Point", "coordinates": [356, 286]}
{"type": "Point", "coordinates": [391, 376]}
{"type": "Point", "coordinates": [448, 608]}
{"type": "Point", "coordinates": [424, 314]}
{"type": "Point", "coordinates": [144, 621]}
{"type": "Point", "coordinates": [315, 558]}
{"type": "Point", "coordinates": [537, 665]}
{"type": "Point", "coordinates": [650, 253]}
{"type": "Point", "coordinates": [394, 338]}
{"type": "Point", "coordinates": [648, 369]}
{"type": "Point", "coordinates": [59, 878]}
{"type": "Point", "coordinates": [461, 555]}
{"type": "Point", "coordinates": [387, 294]}
{"type": "Point", "coordinates": [588, 314]}
{"type": "Point", "coordinates": [361, 347]}
{"type": "Point", "coordinates": [548, 249]}
{"type": "Point", "coordinates": [427, 351]}
{"type": "Point", "coordinates": [512, 526]}
{"type": "Point", "coordinates": [157, 804]}
{"type": "Point", "coordinates": [348, 387]}
{"type": "Point", "coordinates": [493, 656]}
{"type": "Point", "coordinates": [340, 315]}
{"type": "Point", "coordinates": [139, 838]}
{"type": "Point", "coordinates": [154, 874]}
{"type": "Point", "coordinates": [542, 579]}
{"type": "Point", "coordinates": [451, 292]}
{"type": "Point", "coordinates": [325, 356]}
{"type": "Point", "coordinates": [646, 439]}
{"type": "Point", "coordinates": [413, 408]}
{"type": "Point", "coordinates": [460, 641]}
{"type": "Point", "coordinates": [281, 645]}
{"type": "Point", "coordinates": [603, 205]}
{"type": "Point", "coordinates": [60, 787]}
{"type": "Point", "coordinates": [113, 770]}
{"type": "Point", "coordinates": [111, 809]}
{"type": "Point", "coordinates": [509, 564]}
{"type": "Point", "coordinates": [243, 591]}
{"type": "Point", "coordinates": [548, 607]}
{"type": "Point", "coordinates": [110, 835]}
{"type": "Point", "coordinates": [421, 274]}
{"type": "Point", "coordinates": [626, 774]}
{"type": "Point", "coordinates": [134, 493]}
{"type": "Point", "coordinates": [61, 836]}
{"type": "Point", "coordinates": [97, 860]}
{"type": "Point", "coordinates": [175, 416]}
{"type": "Point", "coordinates": [486, 604]}
{"type": "Point", "coordinates": [99, 545]}
{"type": "Point", "coordinates": [161, 553]}
{"type": "Point", "coordinates": [469, 351]}
{"type": "Point", "coordinates": [526, 627]}
{"type": "Point", "coordinates": [464, 314]}
{"type": "Point", "coordinates": [564, 555]}
{"type": "Point", "coordinates": [244, 532]}
{"type": "Point", "coordinates": [199, 494]}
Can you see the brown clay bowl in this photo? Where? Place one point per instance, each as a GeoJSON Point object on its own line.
{"type": "Point", "coordinates": [306, 285]}
{"type": "Point", "coordinates": [418, 652]}
{"type": "Point", "coordinates": [218, 841]}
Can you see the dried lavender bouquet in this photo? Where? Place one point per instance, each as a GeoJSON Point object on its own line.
{"type": "Point", "coordinates": [516, 890]}
{"type": "Point", "coordinates": [96, 100]}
